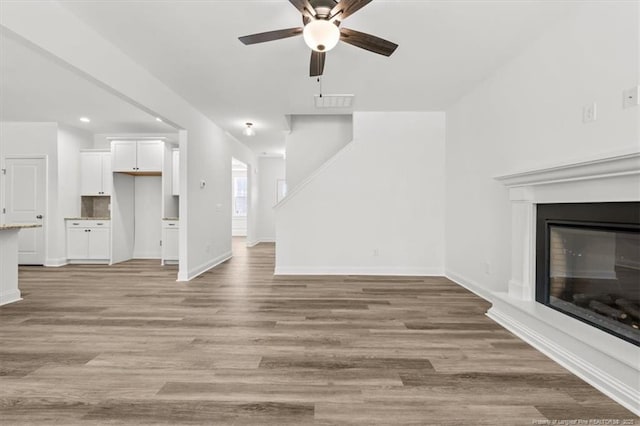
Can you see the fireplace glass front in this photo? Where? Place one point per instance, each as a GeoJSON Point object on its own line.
{"type": "Point", "coordinates": [592, 271]}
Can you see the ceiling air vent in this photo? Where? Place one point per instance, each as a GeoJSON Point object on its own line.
{"type": "Point", "coordinates": [334, 101]}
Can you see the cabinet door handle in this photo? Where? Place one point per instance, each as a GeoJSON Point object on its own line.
{"type": "Point", "coordinates": [75, 223]}
{"type": "Point", "coordinates": [39, 216]}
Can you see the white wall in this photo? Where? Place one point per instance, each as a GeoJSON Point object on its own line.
{"type": "Point", "coordinates": [22, 138]}
{"type": "Point", "coordinates": [529, 115]}
{"type": "Point", "coordinates": [270, 170]}
{"type": "Point", "coordinates": [312, 141]}
{"type": "Point", "coordinates": [376, 208]}
{"type": "Point", "coordinates": [70, 142]}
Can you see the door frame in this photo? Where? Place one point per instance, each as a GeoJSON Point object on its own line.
{"type": "Point", "coordinates": [3, 199]}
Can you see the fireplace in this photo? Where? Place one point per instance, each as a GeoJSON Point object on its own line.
{"type": "Point", "coordinates": [588, 264]}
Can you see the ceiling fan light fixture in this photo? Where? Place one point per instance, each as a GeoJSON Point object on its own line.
{"type": "Point", "coordinates": [321, 35]}
{"type": "Point", "coordinates": [248, 131]}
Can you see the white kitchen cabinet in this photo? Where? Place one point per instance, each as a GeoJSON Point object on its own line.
{"type": "Point", "coordinates": [170, 237]}
{"type": "Point", "coordinates": [88, 241]}
{"type": "Point", "coordinates": [95, 173]}
{"type": "Point", "coordinates": [137, 157]}
{"type": "Point", "coordinates": [175, 175]}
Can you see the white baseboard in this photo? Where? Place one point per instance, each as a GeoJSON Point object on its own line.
{"type": "Point", "coordinates": [575, 356]}
{"type": "Point", "coordinates": [56, 263]}
{"type": "Point", "coordinates": [470, 285]}
{"type": "Point", "coordinates": [260, 240]}
{"type": "Point", "coordinates": [359, 270]}
{"type": "Point", "coordinates": [199, 270]}
{"type": "Point", "coordinates": [147, 256]}
{"type": "Point", "coordinates": [89, 262]}
{"type": "Point", "coordinates": [14, 296]}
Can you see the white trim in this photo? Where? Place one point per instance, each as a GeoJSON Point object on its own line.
{"type": "Point", "coordinates": [10, 298]}
{"type": "Point", "coordinates": [90, 262]}
{"type": "Point", "coordinates": [360, 270]}
{"type": "Point", "coordinates": [193, 273]}
{"type": "Point", "coordinates": [470, 285]}
{"type": "Point", "coordinates": [618, 165]}
{"type": "Point", "coordinates": [136, 138]}
{"type": "Point", "coordinates": [259, 241]}
{"type": "Point", "coordinates": [573, 354]}
{"type": "Point", "coordinates": [56, 263]}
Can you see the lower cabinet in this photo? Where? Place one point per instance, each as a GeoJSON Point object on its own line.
{"type": "Point", "coordinates": [88, 241]}
{"type": "Point", "coordinates": [170, 234]}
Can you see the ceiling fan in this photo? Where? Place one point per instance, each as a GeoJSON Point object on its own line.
{"type": "Point", "coordinates": [321, 31]}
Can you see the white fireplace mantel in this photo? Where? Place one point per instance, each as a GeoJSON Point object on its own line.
{"type": "Point", "coordinates": [608, 363]}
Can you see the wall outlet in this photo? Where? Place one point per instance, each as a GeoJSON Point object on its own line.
{"type": "Point", "coordinates": [589, 113]}
{"type": "Point", "coordinates": [376, 252]}
{"type": "Point", "coordinates": [631, 97]}
{"type": "Point", "coordinates": [218, 208]}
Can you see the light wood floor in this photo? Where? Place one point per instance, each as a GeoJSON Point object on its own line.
{"type": "Point", "coordinates": [128, 345]}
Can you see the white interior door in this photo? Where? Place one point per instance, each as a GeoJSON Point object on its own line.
{"type": "Point", "coordinates": [25, 202]}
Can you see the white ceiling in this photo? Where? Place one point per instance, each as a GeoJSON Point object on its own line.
{"type": "Point", "coordinates": [35, 88]}
{"type": "Point", "coordinates": [446, 47]}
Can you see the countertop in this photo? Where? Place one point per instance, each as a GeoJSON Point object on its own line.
{"type": "Point", "coordinates": [19, 226]}
{"type": "Point", "coordinates": [87, 218]}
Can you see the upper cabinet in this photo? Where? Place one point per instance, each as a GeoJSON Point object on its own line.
{"type": "Point", "coordinates": [95, 173]}
{"type": "Point", "coordinates": [175, 175]}
{"type": "Point", "coordinates": [137, 157]}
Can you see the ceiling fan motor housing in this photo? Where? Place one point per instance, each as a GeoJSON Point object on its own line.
{"type": "Point", "coordinates": [323, 7]}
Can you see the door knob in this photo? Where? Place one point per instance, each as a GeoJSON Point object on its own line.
{"type": "Point", "coordinates": [39, 216]}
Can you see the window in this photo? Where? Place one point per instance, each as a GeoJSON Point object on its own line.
{"type": "Point", "coordinates": [240, 196]}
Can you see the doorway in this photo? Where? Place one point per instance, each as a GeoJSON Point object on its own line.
{"type": "Point", "coordinates": [25, 203]}
{"type": "Point", "coordinates": [239, 198]}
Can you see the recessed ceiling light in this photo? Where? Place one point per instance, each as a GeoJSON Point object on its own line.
{"type": "Point", "coordinates": [158, 119]}
{"type": "Point", "coordinates": [85, 120]}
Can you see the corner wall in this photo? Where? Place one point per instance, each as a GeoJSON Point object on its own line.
{"type": "Point", "coordinates": [529, 115]}
{"type": "Point", "coordinates": [376, 208]}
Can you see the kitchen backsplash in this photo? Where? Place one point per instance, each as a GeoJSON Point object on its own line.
{"type": "Point", "coordinates": [95, 206]}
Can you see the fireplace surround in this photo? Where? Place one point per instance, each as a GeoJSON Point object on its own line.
{"type": "Point", "coordinates": [606, 361]}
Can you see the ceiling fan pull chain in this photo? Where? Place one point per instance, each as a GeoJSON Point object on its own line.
{"type": "Point", "coordinates": [320, 83]}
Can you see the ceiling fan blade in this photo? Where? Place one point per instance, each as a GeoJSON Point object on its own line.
{"type": "Point", "coordinates": [270, 36]}
{"type": "Point", "coordinates": [348, 7]}
{"type": "Point", "coordinates": [304, 7]}
{"type": "Point", "coordinates": [317, 63]}
{"type": "Point", "coordinates": [367, 41]}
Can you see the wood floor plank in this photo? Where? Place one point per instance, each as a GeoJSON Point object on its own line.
{"type": "Point", "coordinates": [127, 344]}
